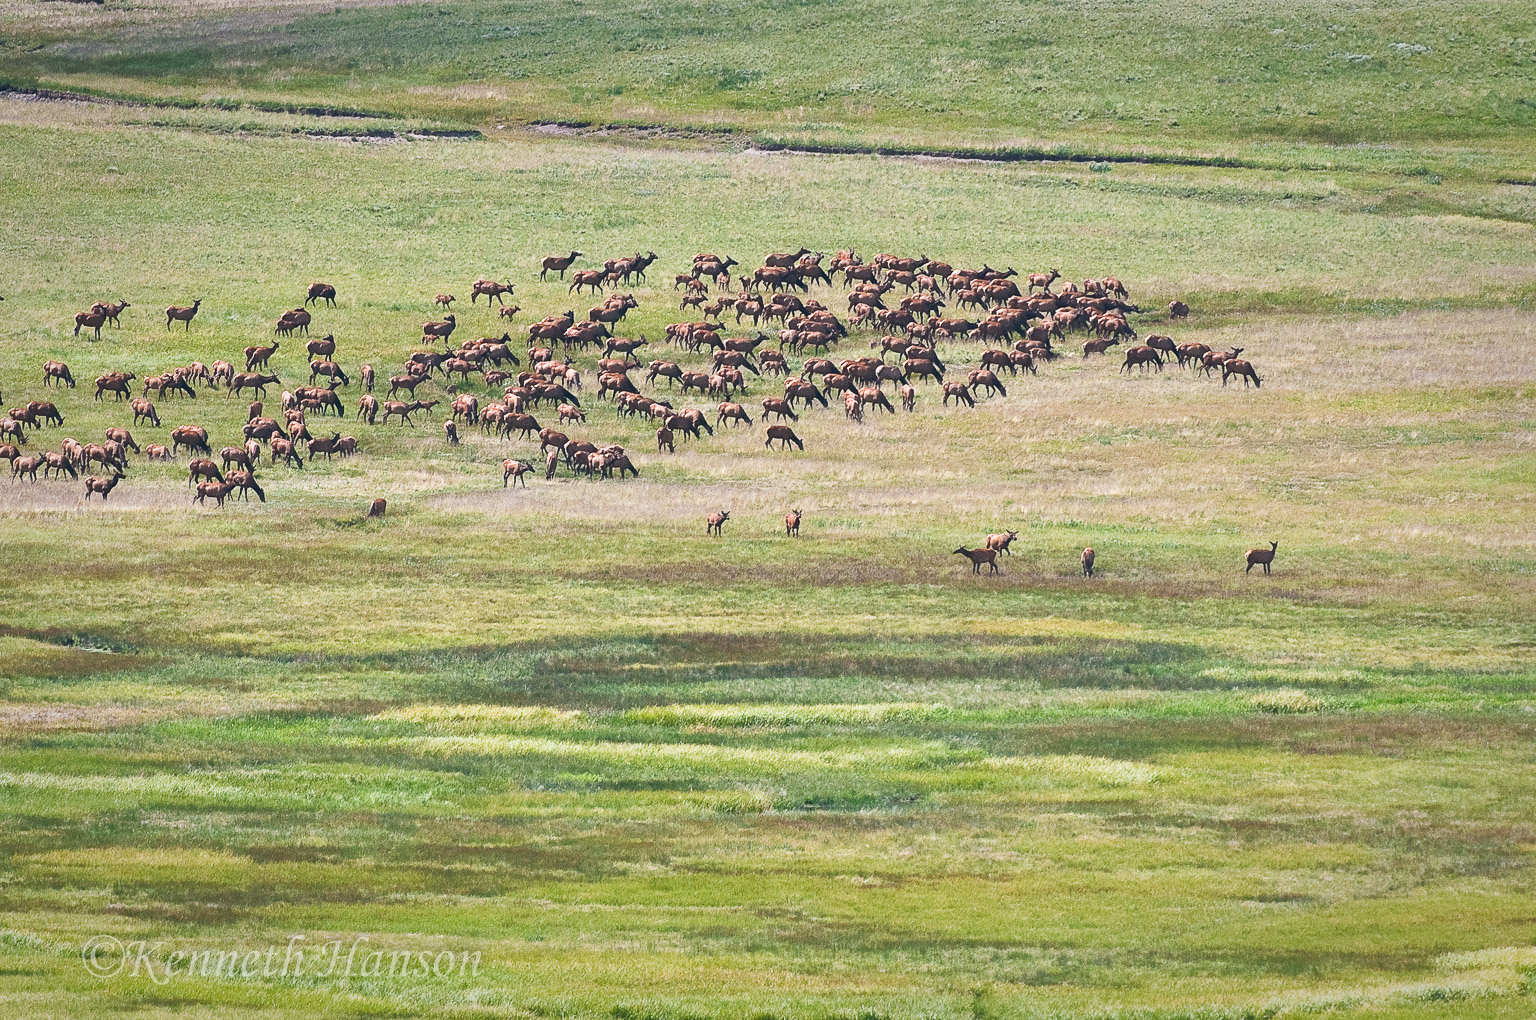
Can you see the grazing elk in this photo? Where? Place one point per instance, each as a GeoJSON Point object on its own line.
{"type": "Point", "coordinates": [784, 435]}
{"type": "Point", "coordinates": [59, 373]}
{"type": "Point", "coordinates": [377, 507]}
{"type": "Point", "coordinates": [1239, 367]}
{"type": "Point", "coordinates": [1262, 557]}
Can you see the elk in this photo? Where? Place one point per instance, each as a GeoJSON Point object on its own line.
{"type": "Point", "coordinates": [121, 435]}
{"type": "Point", "coordinates": [27, 466]}
{"type": "Point", "coordinates": [443, 328]}
{"type": "Point", "coordinates": [508, 312]}
{"type": "Point", "coordinates": [193, 437]}
{"type": "Point", "coordinates": [111, 309]}
{"type": "Point", "coordinates": [332, 371]}
{"type": "Point", "coordinates": [450, 430]}
{"type": "Point", "coordinates": [322, 348]}
{"type": "Point", "coordinates": [908, 397]}
{"type": "Point", "coordinates": [403, 410]}
{"type": "Point", "coordinates": [1001, 543]}
{"type": "Point", "coordinates": [59, 373]}
{"type": "Point", "coordinates": [1262, 557]}
{"type": "Point", "coordinates": [44, 410]}
{"type": "Point", "coordinates": [513, 471]}
{"type": "Point", "coordinates": [156, 451]}
{"type": "Point", "coordinates": [491, 289]}
{"type": "Point", "coordinates": [559, 263]}
{"type": "Point", "coordinates": [792, 523]}
{"type": "Point", "coordinates": [321, 292]}
{"type": "Point", "coordinates": [182, 313]}
{"type": "Point", "coordinates": [326, 446]}
{"type": "Point", "coordinates": [377, 507]}
{"type": "Point", "coordinates": [782, 408]}
{"type": "Point", "coordinates": [103, 486]}
{"type": "Point", "coordinates": [294, 320]}
{"type": "Point", "coordinates": [784, 435]}
{"type": "Point", "coordinates": [1088, 562]}
{"type": "Point", "coordinates": [876, 396]}
{"type": "Point", "coordinates": [1178, 310]}
{"type": "Point", "coordinates": [246, 482]}
{"type": "Point", "coordinates": [58, 463]}
{"type": "Point", "coordinates": [1141, 356]}
{"type": "Point", "coordinates": [978, 557]}
{"type": "Point", "coordinates": [257, 356]}
{"type": "Point", "coordinates": [715, 521]}
{"type": "Point", "coordinates": [1239, 367]}
{"type": "Point", "coordinates": [202, 468]}
{"type": "Point", "coordinates": [218, 490]}
{"type": "Point", "coordinates": [253, 381]}
{"type": "Point", "coordinates": [444, 301]}
{"type": "Point", "coordinates": [960, 392]}
{"type": "Point", "coordinates": [92, 320]}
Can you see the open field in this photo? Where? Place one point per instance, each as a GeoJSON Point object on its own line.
{"type": "Point", "coordinates": [648, 774]}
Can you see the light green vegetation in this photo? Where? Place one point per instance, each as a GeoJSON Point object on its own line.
{"type": "Point", "coordinates": [649, 774]}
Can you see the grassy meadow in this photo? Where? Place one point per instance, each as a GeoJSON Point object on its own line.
{"type": "Point", "coordinates": [651, 775]}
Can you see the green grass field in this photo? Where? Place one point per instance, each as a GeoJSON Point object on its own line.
{"type": "Point", "coordinates": [645, 774]}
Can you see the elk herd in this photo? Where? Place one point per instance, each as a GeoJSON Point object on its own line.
{"type": "Point", "coordinates": [913, 305]}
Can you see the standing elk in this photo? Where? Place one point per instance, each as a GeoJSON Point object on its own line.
{"type": "Point", "coordinates": [101, 486]}
{"type": "Point", "coordinates": [377, 507]}
{"type": "Point", "coordinates": [514, 470]}
{"type": "Point", "coordinates": [715, 521]}
{"type": "Point", "coordinates": [111, 309]}
{"type": "Point", "coordinates": [1178, 310]}
{"type": "Point", "coordinates": [792, 523]}
{"type": "Point", "coordinates": [1239, 367]}
{"type": "Point", "coordinates": [491, 289]}
{"type": "Point", "coordinates": [1001, 543]}
{"type": "Point", "coordinates": [559, 263]}
{"type": "Point", "coordinates": [978, 557]}
{"type": "Point", "coordinates": [321, 292]}
{"type": "Point", "coordinates": [92, 320]}
{"type": "Point", "coordinates": [182, 313]}
{"type": "Point", "coordinates": [1261, 557]}
{"type": "Point", "coordinates": [1088, 562]}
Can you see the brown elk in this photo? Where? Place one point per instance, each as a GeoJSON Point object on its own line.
{"type": "Point", "coordinates": [782, 408]}
{"type": "Point", "coordinates": [1043, 281]}
{"type": "Point", "coordinates": [1215, 359]}
{"type": "Point", "coordinates": [876, 396]}
{"type": "Point", "coordinates": [332, 371]}
{"type": "Point", "coordinates": [403, 410]}
{"type": "Point", "coordinates": [122, 436]}
{"type": "Point", "coordinates": [713, 523]}
{"type": "Point", "coordinates": [286, 449]}
{"type": "Point", "coordinates": [143, 410]}
{"type": "Point", "coordinates": [253, 381]}
{"type": "Point", "coordinates": [508, 312]}
{"type": "Point", "coordinates": [295, 320]}
{"type": "Point", "coordinates": [908, 397]}
{"type": "Point", "coordinates": [442, 328]}
{"type": "Point", "coordinates": [792, 523]}
{"type": "Point", "coordinates": [111, 309]}
{"type": "Point", "coordinates": [182, 313]}
{"type": "Point", "coordinates": [1239, 367]}
{"type": "Point", "coordinates": [514, 470]}
{"type": "Point", "coordinates": [444, 301]}
{"type": "Point", "coordinates": [1178, 310]}
{"type": "Point", "coordinates": [101, 486]}
{"type": "Point", "coordinates": [852, 408]}
{"type": "Point", "coordinates": [1141, 356]}
{"type": "Point", "coordinates": [978, 557]}
{"type": "Point", "coordinates": [218, 490]}
{"type": "Point", "coordinates": [193, 437]}
{"type": "Point", "coordinates": [784, 435]}
{"type": "Point", "coordinates": [321, 292]}
{"type": "Point", "coordinates": [246, 482]}
{"type": "Point", "coordinates": [491, 289]}
{"type": "Point", "coordinates": [377, 507]}
{"type": "Point", "coordinates": [92, 320]}
{"type": "Point", "coordinates": [960, 392]}
{"type": "Point", "coordinates": [325, 446]}
{"type": "Point", "coordinates": [1088, 562]}
{"type": "Point", "coordinates": [26, 466]}
{"type": "Point", "coordinates": [257, 356]}
{"type": "Point", "coordinates": [728, 411]}
{"type": "Point", "coordinates": [982, 377]}
{"type": "Point", "coordinates": [559, 263]}
{"type": "Point", "coordinates": [59, 373]}
{"type": "Point", "coordinates": [44, 410]}
{"type": "Point", "coordinates": [1001, 543]}
{"type": "Point", "coordinates": [202, 468]}
{"type": "Point", "coordinates": [157, 451]}
{"type": "Point", "coordinates": [321, 348]}
{"type": "Point", "coordinates": [58, 463]}
{"type": "Point", "coordinates": [1262, 557]}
